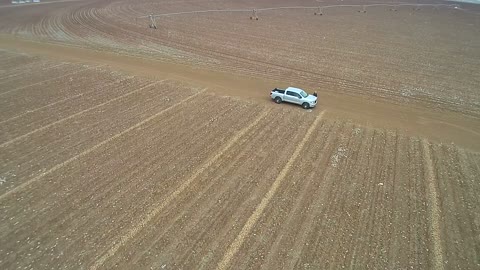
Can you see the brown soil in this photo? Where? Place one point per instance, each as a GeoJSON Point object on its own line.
{"type": "Point", "coordinates": [414, 119]}
{"type": "Point", "coordinates": [179, 160]}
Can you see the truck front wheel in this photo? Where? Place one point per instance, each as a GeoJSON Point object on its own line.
{"type": "Point", "coordinates": [305, 105]}
{"type": "Point", "coordinates": [278, 100]}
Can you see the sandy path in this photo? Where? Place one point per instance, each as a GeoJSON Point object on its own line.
{"type": "Point", "coordinates": [441, 126]}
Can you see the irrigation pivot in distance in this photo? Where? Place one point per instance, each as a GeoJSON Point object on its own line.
{"type": "Point", "coordinates": [394, 8]}
{"type": "Point", "coordinates": [254, 15]}
{"type": "Point", "coordinates": [318, 10]}
{"type": "Point", "coordinates": [153, 23]}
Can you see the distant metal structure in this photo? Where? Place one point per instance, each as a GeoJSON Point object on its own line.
{"type": "Point", "coordinates": [318, 10]}
{"type": "Point", "coordinates": [153, 23]}
{"type": "Point", "coordinates": [254, 15]}
{"type": "Point", "coordinates": [364, 9]}
{"type": "Point", "coordinates": [16, 2]}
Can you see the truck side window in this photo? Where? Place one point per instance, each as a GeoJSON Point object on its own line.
{"type": "Point", "coordinates": [293, 94]}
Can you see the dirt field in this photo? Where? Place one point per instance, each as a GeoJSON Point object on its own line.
{"type": "Point", "coordinates": [169, 154]}
{"type": "Point", "coordinates": [427, 56]}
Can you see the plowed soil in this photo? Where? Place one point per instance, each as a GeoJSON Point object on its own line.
{"type": "Point", "coordinates": [169, 154]}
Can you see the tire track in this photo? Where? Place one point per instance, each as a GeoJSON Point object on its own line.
{"type": "Point", "coordinates": [336, 208]}
{"type": "Point", "coordinates": [80, 214]}
{"type": "Point", "coordinates": [472, 157]}
{"type": "Point", "coordinates": [458, 190]}
{"type": "Point", "coordinates": [372, 199]}
{"type": "Point", "coordinates": [86, 152]}
{"type": "Point", "coordinates": [50, 79]}
{"type": "Point", "coordinates": [149, 132]}
{"type": "Point", "coordinates": [400, 201]}
{"type": "Point", "coordinates": [391, 177]}
{"type": "Point", "coordinates": [17, 60]}
{"type": "Point", "coordinates": [316, 230]}
{"type": "Point", "coordinates": [76, 114]}
{"type": "Point", "coordinates": [308, 191]}
{"type": "Point", "coordinates": [69, 98]}
{"type": "Point", "coordinates": [46, 117]}
{"type": "Point", "coordinates": [45, 149]}
{"type": "Point", "coordinates": [237, 243]}
{"type": "Point", "coordinates": [24, 70]}
{"type": "Point", "coordinates": [133, 232]}
{"type": "Point", "coordinates": [434, 209]}
{"type": "Point", "coordinates": [418, 188]}
{"type": "Point", "coordinates": [354, 211]}
{"type": "Point", "coordinates": [326, 212]}
{"type": "Point", "coordinates": [212, 187]}
{"type": "Point", "coordinates": [382, 215]}
{"type": "Point", "coordinates": [33, 97]}
{"type": "Point", "coordinates": [361, 173]}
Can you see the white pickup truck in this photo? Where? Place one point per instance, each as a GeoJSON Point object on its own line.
{"type": "Point", "coordinates": [294, 95]}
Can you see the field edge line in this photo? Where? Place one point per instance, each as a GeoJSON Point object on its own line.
{"type": "Point", "coordinates": [144, 221]}
{"type": "Point", "coordinates": [433, 209]}
{"type": "Point", "coordinates": [52, 104]}
{"type": "Point", "coordinates": [93, 148]}
{"type": "Point", "coordinates": [78, 113]}
{"type": "Point", "coordinates": [252, 220]}
{"type": "Point", "coordinates": [51, 79]}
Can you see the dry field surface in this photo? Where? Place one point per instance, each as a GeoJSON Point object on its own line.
{"type": "Point", "coordinates": [428, 56]}
{"type": "Point", "coordinates": [141, 174]}
{"type": "Point", "coordinates": [101, 168]}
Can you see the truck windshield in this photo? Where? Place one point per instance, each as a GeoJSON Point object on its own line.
{"type": "Point", "coordinates": [303, 94]}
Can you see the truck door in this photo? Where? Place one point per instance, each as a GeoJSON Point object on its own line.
{"type": "Point", "coordinates": [292, 97]}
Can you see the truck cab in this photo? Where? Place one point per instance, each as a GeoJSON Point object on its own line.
{"type": "Point", "coordinates": [294, 95]}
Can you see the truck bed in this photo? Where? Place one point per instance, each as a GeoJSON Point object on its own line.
{"type": "Point", "coordinates": [280, 91]}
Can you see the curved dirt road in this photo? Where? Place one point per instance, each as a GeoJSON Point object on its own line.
{"type": "Point", "coordinates": [414, 119]}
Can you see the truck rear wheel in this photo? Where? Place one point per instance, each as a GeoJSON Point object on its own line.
{"type": "Point", "coordinates": [278, 100]}
{"type": "Point", "coordinates": [305, 105]}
